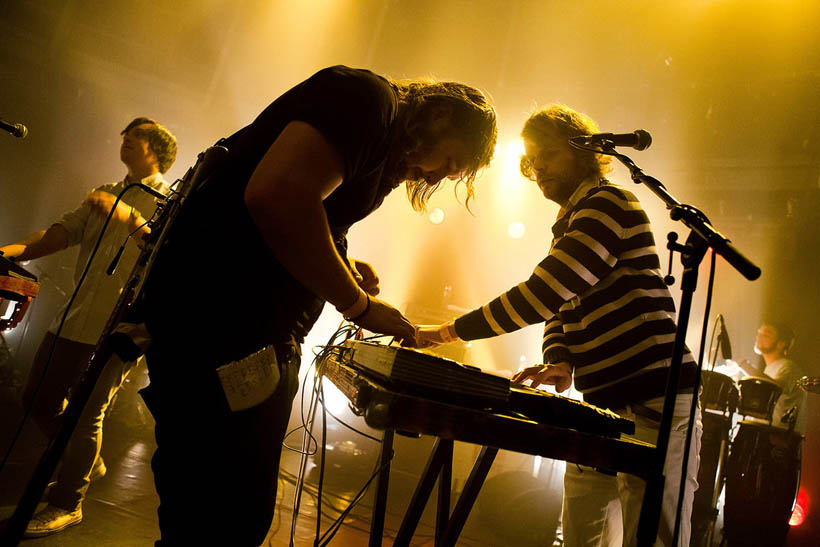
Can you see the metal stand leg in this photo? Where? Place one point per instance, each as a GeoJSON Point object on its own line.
{"type": "Point", "coordinates": [445, 482]}
{"type": "Point", "coordinates": [716, 493]}
{"type": "Point", "coordinates": [468, 495]}
{"type": "Point", "coordinates": [380, 503]}
{"type": "Point", "coordinates": [442, 455]}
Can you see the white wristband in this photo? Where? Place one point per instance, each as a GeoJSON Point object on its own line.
{"type": "Point", "coordinates": [358, 307]}
{"type": "Point", "coordinates": [448, 333]}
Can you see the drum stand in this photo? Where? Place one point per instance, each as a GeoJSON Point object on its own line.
{"type": "Point", "coordinates": [701, 237]}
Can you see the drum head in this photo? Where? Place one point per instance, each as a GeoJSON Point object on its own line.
{"type": "Point", "coordinates": [758, 396]}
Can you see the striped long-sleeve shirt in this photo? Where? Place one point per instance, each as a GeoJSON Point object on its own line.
{"type": "Point", "coordinates": [600, 294]}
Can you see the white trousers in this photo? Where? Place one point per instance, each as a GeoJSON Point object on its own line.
{"type": "Point", "coordinates": [603, 510]}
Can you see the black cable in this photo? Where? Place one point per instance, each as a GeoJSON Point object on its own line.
{"type": "Point", "coordinates": [353, 429]}
{"type": "Point", "coordinates": [322, 464]}
{"type": "Point", "coordinates": [311, 491]}
{"type": "Point", "coordinates": [113, 266]}
{"type": "Point", "coordinates": [29, 408]}
{"type": "Point", "coordinates": [339, 521]}
{"type": "Point", "coordinates": [309, 451]}
{"type": "Point", "coordinates": [336, 525]}
{"type": "Point", "coordinates": [316, 363]}
{"type": "Point", "coordinates": [319, 356]}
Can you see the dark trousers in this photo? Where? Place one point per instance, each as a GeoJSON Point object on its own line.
{"type": "Point", "coordinates": [215, 470]}
{"type": "Point", "coordinates": [68, 362]}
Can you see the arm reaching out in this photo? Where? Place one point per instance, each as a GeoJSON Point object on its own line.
{"type": "Point", "coordinates": [37, 244]}
{"type": "Point", "coordinates": [285, 200]}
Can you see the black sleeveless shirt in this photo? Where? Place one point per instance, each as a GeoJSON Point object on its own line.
{"type": "Point", "coordinates": [216, 286]}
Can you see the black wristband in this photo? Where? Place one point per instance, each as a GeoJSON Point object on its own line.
{"type": "Point", "coordinates": [364, 312]}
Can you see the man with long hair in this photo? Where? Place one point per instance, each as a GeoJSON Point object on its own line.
{"type": "Point", "coordinates": [267, 232]}
{"type": "Point", "coordinates": [148, 150]}
{"type": "Point", "coordinates": [609, 323]}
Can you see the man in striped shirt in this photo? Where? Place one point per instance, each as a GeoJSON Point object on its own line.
{"type": "Point", "coordinates": [609, 322]}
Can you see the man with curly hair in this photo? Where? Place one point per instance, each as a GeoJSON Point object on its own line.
{"type": "Point", "coordinates": [268, 230]}
{"type": "Point", "coordinates": [609, 324]}
{"type": "Point", "coordinates": [148, 150]}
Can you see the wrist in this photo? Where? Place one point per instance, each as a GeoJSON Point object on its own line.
{"type": "Point", "coordinates": [557, 354]}
{"type": "Point", "coordinates": [448, 332]}
{"type": "Point", "coordinates": [358, 308]}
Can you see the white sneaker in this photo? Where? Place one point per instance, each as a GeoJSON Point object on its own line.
{"type": "Point", "coordinates": [52, 520]}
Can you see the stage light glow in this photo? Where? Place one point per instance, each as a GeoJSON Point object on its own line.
{"type": "Point", "coordinates": [798, 516]}
{"type": "Point", "coordinates": [517, 230]}
{"type": "Point", "coordinates": [511, 159]}
{"type": "Point", "coordinates": [335, 400]}
{"type": "Point", "coordinates": [436, 216]}
{"type": "Point", "coordinates": [800, 509]}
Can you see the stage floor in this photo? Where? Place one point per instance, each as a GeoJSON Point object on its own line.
{"type": "Point", "coordinates": [120, 509]}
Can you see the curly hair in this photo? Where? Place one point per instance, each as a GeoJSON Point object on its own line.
{"type": "Point", "coordinates": [558, 120]}
{"type": "Point", "coordinates": [472, 119]}
{"type": "Point", "coordinates": [160, 141]}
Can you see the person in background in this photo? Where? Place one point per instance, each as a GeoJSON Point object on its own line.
{"type": "Point", "coordinates": [148, 150]}
{"type": "Point", "coordinates": [773, 343]}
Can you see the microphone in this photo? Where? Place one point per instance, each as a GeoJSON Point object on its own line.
{"type": "Point", "coordinates": [638, 139]}
{"type": "Point", "coordinates": [17, 129]}
{"type": "Point", "coordinates": [723, 339]}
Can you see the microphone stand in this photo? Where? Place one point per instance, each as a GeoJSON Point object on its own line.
{"type": "Point", "coordinates": [193, 178]}
{"type": "Point", "coordinates": [701, 237]}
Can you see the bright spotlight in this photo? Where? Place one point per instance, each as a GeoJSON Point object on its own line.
{"type": "Point", "coordinates": [335, 401]}
{"type": "Point", "coordinates": [514, 150]}
{"type": "Point", "coordinates": [436, 216]}
{"type": "Point", "coordinates": [517, 230]}
{"type": "Point", "coordinates": [512, 158]}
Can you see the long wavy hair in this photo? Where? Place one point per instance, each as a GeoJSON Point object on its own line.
{"type": "Point", "coordinates": [472, 119]}
{"type": "Point", "coordinates": [559, 120]}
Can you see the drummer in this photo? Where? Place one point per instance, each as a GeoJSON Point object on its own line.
{"type": "Point", "coordinates": [773, 342]}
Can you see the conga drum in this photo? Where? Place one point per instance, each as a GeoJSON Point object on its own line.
{"type": "Point", "coordinates": [719, 392]}
{"type": "Point", "coordinates": [762, 478]}
{"type": "Point", "coordinates": [758, 396]}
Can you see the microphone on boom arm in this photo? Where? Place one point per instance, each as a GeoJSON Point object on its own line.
{"type": "Point", "coordinates": [638, 139]}
{"type": "Point", "coordinates": [17, 129]}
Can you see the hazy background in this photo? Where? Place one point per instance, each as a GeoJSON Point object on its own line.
{"type": "Point", "coordinates": [728, 89]}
